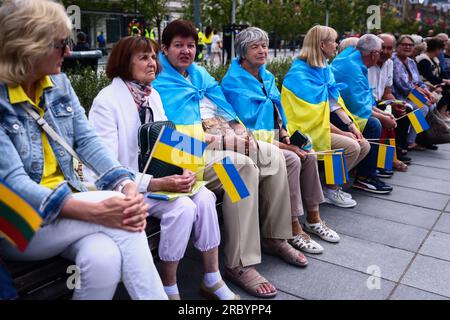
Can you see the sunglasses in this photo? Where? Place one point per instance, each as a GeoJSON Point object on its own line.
{"type": "Point", "coordinates": [62, 45]}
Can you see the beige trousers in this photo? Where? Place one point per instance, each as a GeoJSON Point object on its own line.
{"type": "Point", "coordinates": [354, 152]}
{"type": "Point", "coordinates": [267, 211]}
{"type": "Point", "coordinates": [304, 183]}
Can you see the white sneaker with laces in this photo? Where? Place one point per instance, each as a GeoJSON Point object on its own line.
{"type": "Point", "coordinates": [339, 198]}
{"type": "Point", "coordinates": [322, 230]}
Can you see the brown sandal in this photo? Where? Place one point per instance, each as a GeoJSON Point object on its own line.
{"type": "Point", "coordinates": [250, 280]}
{"type": "Point", "coordinates": [210, 292]}
{"type": "Point", "coordinates": [286, 252]}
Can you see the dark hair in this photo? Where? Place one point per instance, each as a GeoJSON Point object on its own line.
{"type": "Point", "coordinates": [119, 63]}
{"type": "Point", "coordinates": [182, 28]}
{"type": "Point", "coordinates": [81, 36]}
{"type": "Point", "coordinates": [208, 31]}
{"type": "Point", "coordinates": [434, 44]}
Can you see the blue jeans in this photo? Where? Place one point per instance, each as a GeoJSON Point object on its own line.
{"type": "Point", "coordinates": [368, 166]}
{"type": "Point", "coordinates": [7, 290]}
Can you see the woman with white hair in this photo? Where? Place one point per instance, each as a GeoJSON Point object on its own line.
{"type": "Point", "coordinates": [252, 92]}
{"type": "Point", "coordinates": [347, 42]}
{"type": "Point", "coordinates": [106, 239]}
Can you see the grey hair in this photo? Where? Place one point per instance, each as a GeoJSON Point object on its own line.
{"type": "Point", "coordinates": [247, 37]}
{"type": "Point", "coordinates": [389, 35]}
{"type": "Point", "coordinates": [368, 43]}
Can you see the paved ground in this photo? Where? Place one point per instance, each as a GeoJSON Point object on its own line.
{"type": "Point", "coordinates": [404, 238]}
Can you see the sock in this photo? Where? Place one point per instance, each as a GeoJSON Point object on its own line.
{"type": "Point", "coordinates": [211, 278]}
{"type": "Point", "coordinates": [171, 290]}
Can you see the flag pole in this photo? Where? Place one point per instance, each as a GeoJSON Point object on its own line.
{"type": "Point", "coordinates": [151, 155]}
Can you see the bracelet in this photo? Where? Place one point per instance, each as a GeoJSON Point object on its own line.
{"type": "Point", "coordinates": [122, 185]}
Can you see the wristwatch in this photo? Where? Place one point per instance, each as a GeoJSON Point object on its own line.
{"type": "Point", "coordinates": [349, 124]}
{"type": "Point", "coordinates": [122, 185]}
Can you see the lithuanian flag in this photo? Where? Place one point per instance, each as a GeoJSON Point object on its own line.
{"type": "Point", "coordinates": [18, 219]}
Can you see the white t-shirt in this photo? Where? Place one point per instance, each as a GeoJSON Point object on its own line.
{"type": "Point", "coordinates": [381, 78]}
{"type": "Point", "coordinates": [215, 43]}
{"type": "Point", "coordinates": [208, 109]}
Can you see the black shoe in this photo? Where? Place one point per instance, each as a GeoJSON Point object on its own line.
{"type": "Point", "coordinates": [432, 146]}
{"type": "Point", "coordinates": [404, 159]}
{"type": "Point", "coordinates": [373, 185]}
{"type": "Point", "coordinates": [383, 173]}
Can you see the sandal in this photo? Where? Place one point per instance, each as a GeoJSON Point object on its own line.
{"type": "Point", "coordinates": [304, 243]}
{"type": "Point", "coordinates": [250, 280]}
{"type": "Point", "coordinates": [210, 292]}
{"type": "Point", "coordinates": [416, 147]}
{"type": "Point", "coordinates": [286, 252]}
{"type": "Point", "coordinates": [400, 166]}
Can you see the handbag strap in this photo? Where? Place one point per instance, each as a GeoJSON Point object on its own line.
{"type": "Point", "coordinates": [49, 130]}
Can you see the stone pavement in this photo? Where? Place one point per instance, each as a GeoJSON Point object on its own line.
{"type": "Point", "coordinates": [404, 238]}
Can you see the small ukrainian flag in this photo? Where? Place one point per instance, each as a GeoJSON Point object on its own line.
{"type": "Point", "coordinates": [231, 180]}
{"type": "Point", "coordinates": [391, 142]}
{"type": "Point", "coordinates": [385, 156]}
{"type": "Point", "coordinates": [335, 168]}
{"type": "Point", "coordinates": [417, 98]}
{"type": "Point", "coordinates": [418, 121]}
{"type": "Point", "coordinates": [179, 149]}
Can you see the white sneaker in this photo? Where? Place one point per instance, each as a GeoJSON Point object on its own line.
{"type": "Point", "coordinates": [322, 230]}
{"type": "Point", "coordinates": [339, 198]}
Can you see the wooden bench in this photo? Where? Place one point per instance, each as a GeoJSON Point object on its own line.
{"type": "Point", "coordinates": [46, 279]}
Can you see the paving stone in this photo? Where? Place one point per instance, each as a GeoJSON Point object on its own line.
{"type": "Point", "coordinates": [420, 198]}
{"type": "Point", "coordinates": [321, 280]}
{"type": "Point", "coordinates": [395, 211]}
{"type": "Point", "coordinates": [448, 208]}
{"type": "Point", "coordinates": [430, 161]}
{"type": "Point", "coordinates": [429, 274]}
{"type": "Point", "coordinates": [427, 184]}
{"type": "Point", "coordinates": [423, 171]}
{"type": "Point", "coordinates": [361, 254]}
{"type": "Point", "coordinates": [443, 224]}
{"type": "Point", "coordinates": [437, 245]}
{"type": "Point", "coordinates": [408, 293]}
{"type": "Point", "coordinates": [386, 232]}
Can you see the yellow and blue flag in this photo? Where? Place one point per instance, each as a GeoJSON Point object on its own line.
{"type": "Point", "coordinates": [385, 156]}
{"type": "Point", "coordinates": [18, 219]}
{"type": "Point", "coordinates": [305, 96]}
{"type": "Point", "coordinates": [417, 98]}
{"type": "Point", "coordinates": [255, 103]}
{"type": "Point", "coordinates": [349, 69]}
{"type": "Point", "coordinates": [391, 142]}
{"type": "Point", "coordinates": [418, 121]}
{"type": "Point", "coordinates": [179, 149]}
{"type": "Point", "coordinates": [231, 180]}
{"type": "Point", "coordinates": [335, 168]}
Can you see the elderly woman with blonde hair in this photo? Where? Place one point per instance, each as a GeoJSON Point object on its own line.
{"type": "Point", "coordinates": [105, 237]}
{"type": "Point", "coordinates": [310, 106]}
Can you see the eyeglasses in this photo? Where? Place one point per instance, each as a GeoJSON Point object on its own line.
{"type": "Point", "coordinates": [61, 46]}
{"type": "Point", "coordinates": [407, 45]}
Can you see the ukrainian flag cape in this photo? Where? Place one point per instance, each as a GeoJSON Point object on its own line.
{"type": "Point", "coordinates": [349, 68]}
{"type": "Point", "coordinates": [181, 98]}
{"type": "Point", "coordinates": [305, 96]}
{"type": "Point", "coordinates": [245, 93]}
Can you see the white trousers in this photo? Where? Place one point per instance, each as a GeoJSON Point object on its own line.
{"type": "Point", "coordinates": [104, 256]}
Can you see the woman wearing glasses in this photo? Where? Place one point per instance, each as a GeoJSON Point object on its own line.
{"type": "Point", "coordinates": [116, 115]}
{"type": "Point", "coordinates": [407, 78]}
{"type": "Point", "coordinates": [106, 239]}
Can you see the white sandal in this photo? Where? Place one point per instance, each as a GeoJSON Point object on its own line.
{"type": "Point", "coordinates": [304, 243]}
{"type": "Point", "coordinates": [322, 230]}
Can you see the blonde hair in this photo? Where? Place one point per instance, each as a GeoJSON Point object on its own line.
{"type": "Point", "coordinates": [311, 52]}
{"type": "Point", "coordinates": [27, 30]}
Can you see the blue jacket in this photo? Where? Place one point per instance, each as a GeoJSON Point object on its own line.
{"type": "Point", "coordinates": [22, 160]}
